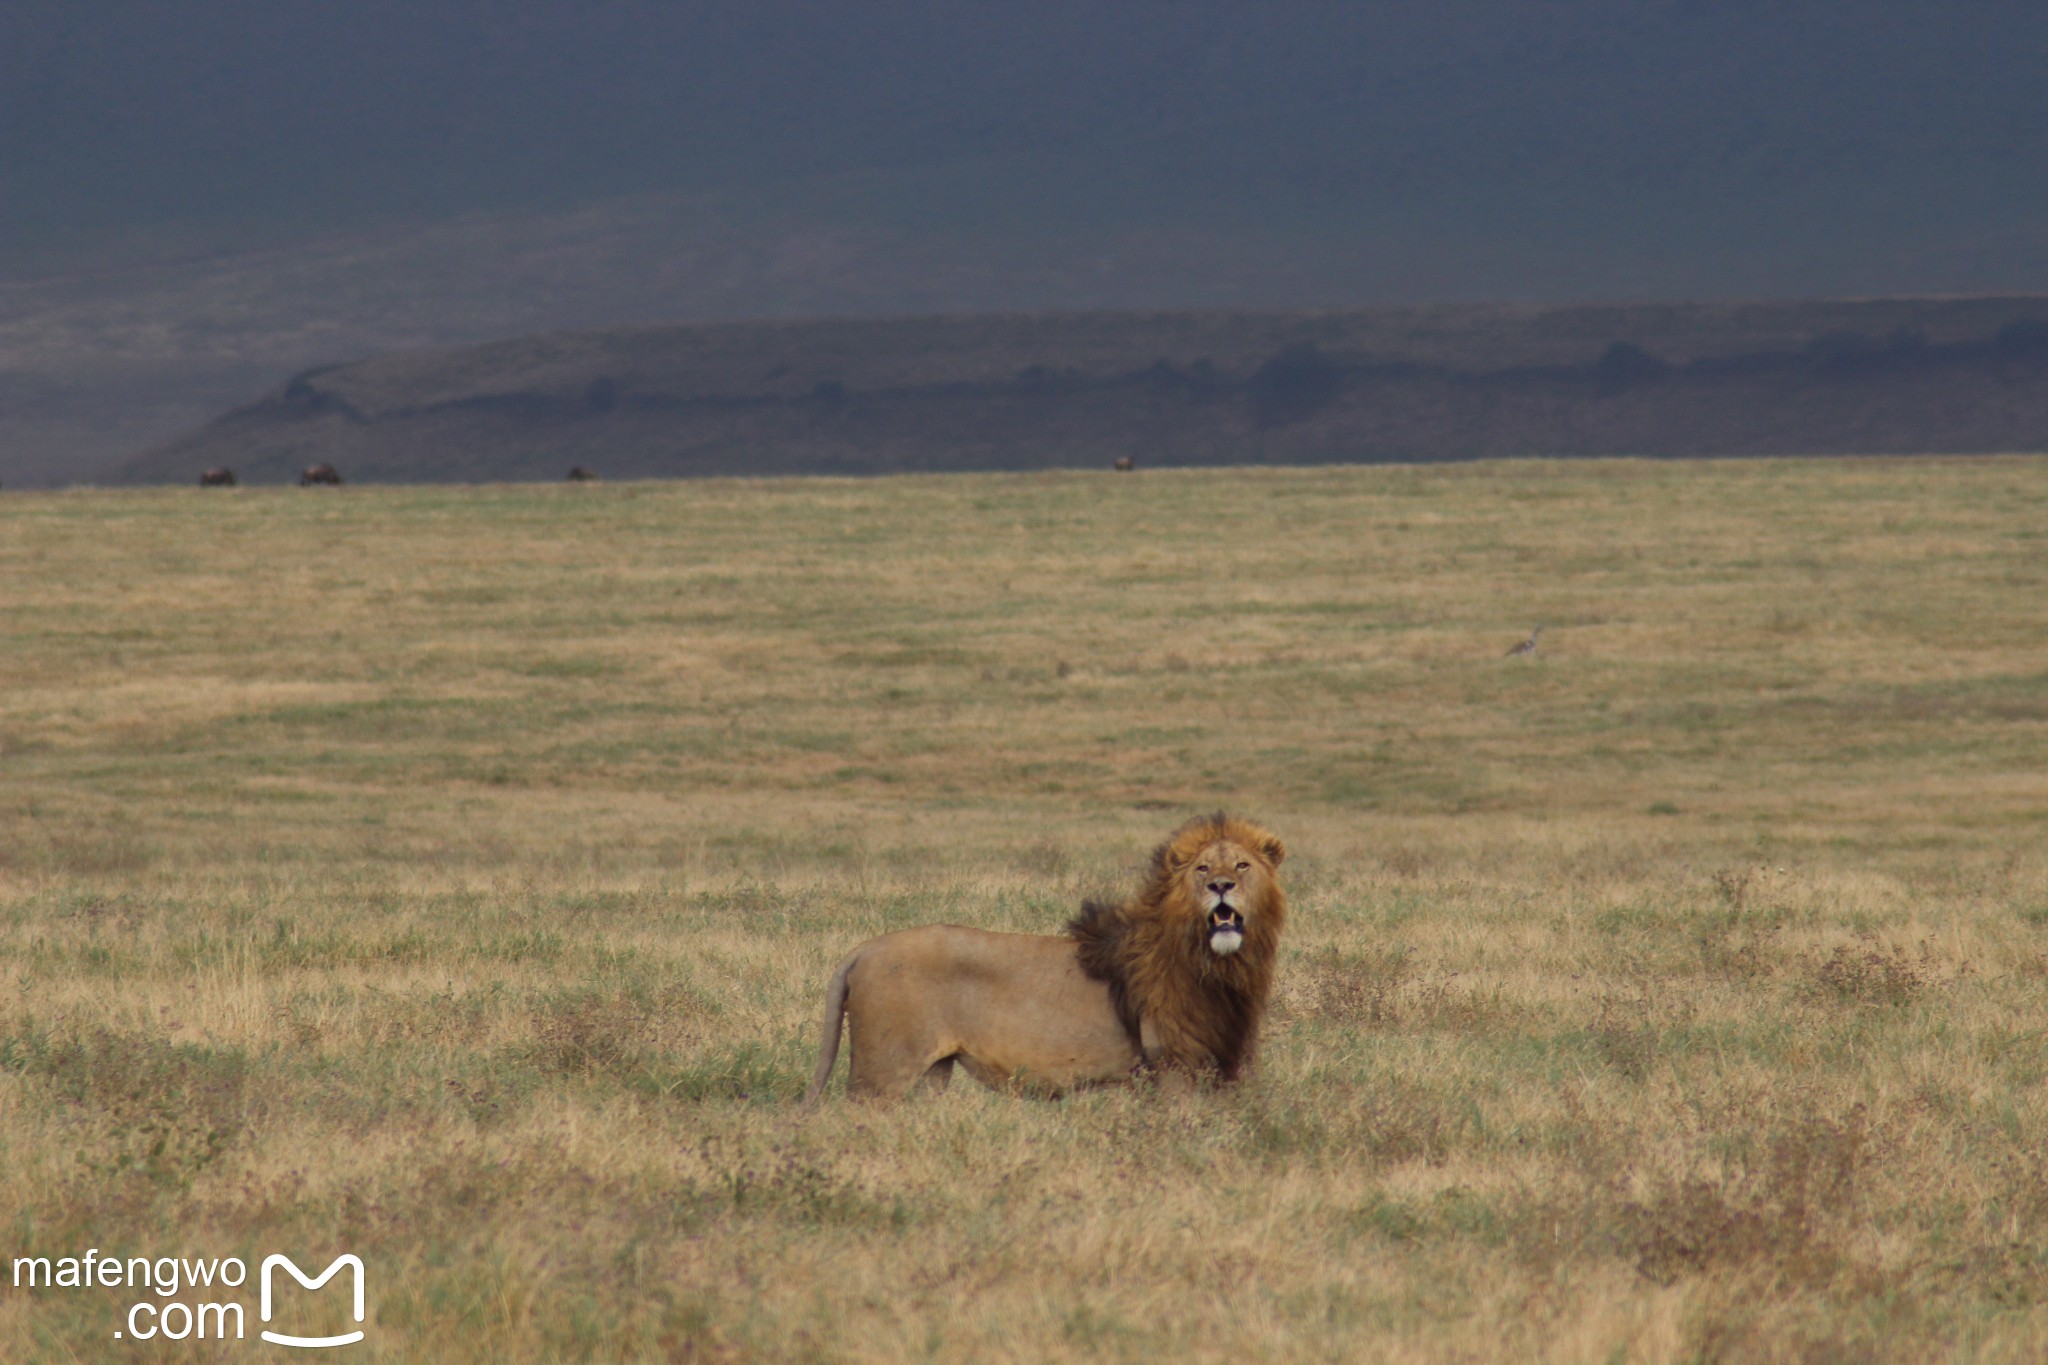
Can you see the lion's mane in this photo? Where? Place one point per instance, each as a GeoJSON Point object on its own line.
{"type": "Point", "coordinates": [1185, 1007]}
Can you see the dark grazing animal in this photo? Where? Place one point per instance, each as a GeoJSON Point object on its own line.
{"type": "Point", "coordinates": [217, 478]}
{"type": "Point", "coordinates": [579, 474]}
{"type": "Point", "coordinates": [319, 473]}
{"type": "Point", "coordinates": [1125, 464]}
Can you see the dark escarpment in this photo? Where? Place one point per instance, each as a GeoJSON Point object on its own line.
{"type": "Point", "coordinates": [1165, 389]}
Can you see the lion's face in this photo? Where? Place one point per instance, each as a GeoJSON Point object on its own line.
{"type": "Point", "coordinates": [1228, 882]}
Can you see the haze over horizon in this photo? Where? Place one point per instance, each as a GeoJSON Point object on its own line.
{"type": "Point", "coordinates": [197, 199]}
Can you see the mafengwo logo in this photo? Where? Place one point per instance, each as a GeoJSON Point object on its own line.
{"type": "Point", "coordinates": [350, 1262]}
{"type": "Point", "coordinates": [171, 1317]}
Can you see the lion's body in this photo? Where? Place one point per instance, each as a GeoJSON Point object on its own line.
{"type": "Point", "coordinates": [1014, 1009]}
{"type": "Point", "coordinates": [1174, 980]}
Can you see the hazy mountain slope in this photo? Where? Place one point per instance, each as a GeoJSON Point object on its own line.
{"type": "Point", "coordinates": [1027, 391]}
{"type": "Point", "coordinates": [95, 367]}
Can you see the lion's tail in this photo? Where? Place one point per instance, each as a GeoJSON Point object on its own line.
{"type": "Point", "coordinates": [835, 1014]}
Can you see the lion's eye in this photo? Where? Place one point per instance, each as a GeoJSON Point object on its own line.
{"type": "Point", "coordinates": [1244, 867]}
{"type": "Point", "coordinates": [1203, 869]}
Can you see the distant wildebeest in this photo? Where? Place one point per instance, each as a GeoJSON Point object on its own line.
{"type": "Point", "coordinates": [581, 475]}
{"type": "Point", "coordinates": [217, 478]}
{"type": "Point", "coordinates": [1124, 464]}
{"type": "Point", "coordinates": [319, 473]}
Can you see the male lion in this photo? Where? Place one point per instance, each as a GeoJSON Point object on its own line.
{"type": "Point", "coordinates": [1174, 980]}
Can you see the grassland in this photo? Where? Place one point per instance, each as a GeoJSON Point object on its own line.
{"type": "Point", "coordinates": [449, 876]}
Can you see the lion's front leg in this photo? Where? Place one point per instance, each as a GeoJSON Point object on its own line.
{"type": "Point", "coordinates": [1178, 1064]}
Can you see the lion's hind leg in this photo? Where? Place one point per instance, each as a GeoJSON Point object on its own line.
{"type": "Point", "coordinates": [892, 1057]}
{"type": "Point", "coordinates": [939, 1074]}
{"type": "Point", "coordinates": [893, 1076]}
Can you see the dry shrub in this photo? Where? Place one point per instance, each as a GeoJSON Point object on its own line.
{"type": "Point", "coordinates": [1736, 949]}
{"type": "Point", "coordinates": [108, 848]}
{"type": "Point", "coordinates": [152, 1108]}
{"type": "Point", "coordinates": [454, 1018]}
{"type": "Point", "coordinates": [1042, 859]}
{"type": "Point", "coordinates": [483, 1102]}
{"type": "Point", "coordinates": [2013, 1276]}
{"type": "Point", "coordinates": [1410, 863]}
{"type": "Point", "coordinates": [790, 1185]}
{"type": "Point", "coordinates": [1360, 988]}
{"type": "Point", "coordinates": [1740, 887]}
{"type": "Point", "coordinates": [1625, 1037]}
{"type": "Point", "coordinates": [1388, 1122]}
{"type": "Point", "coordinates": [123, 914]}
{"type": "Point", "coordinates": [583, 1035]}
{"type": "Point", "coordinates": [1872, 975]}
{"type": "Point", "coordinates": [1383, 986]}
{"type": "Point", "coordinates": [1404, 1125]}
{"type": "Point", "coordinates": [1781, 1212]}
{"type": "Point", "coordinates": [1438, 1004]}
{"type": "Point", "coordinates": [597, 1032]}
{"type": "Point", "coordinates": [1745, 1331]}
{"type": "Point", "coordinates": [1735, 942]}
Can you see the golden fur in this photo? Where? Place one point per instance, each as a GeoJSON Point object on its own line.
{"type": "Point", "coordinates": [1175, 980]}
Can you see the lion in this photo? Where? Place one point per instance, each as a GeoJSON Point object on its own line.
{"type": "Point", "coordinates": [1173, 982]}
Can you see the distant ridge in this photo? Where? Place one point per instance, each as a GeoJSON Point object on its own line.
{"type": "Point", "coordinates": [1029, 391]}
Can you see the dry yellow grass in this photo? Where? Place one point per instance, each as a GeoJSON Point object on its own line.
{"type": "Point", "coordinates": [450, 876]}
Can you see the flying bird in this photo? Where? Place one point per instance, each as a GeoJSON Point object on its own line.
{"type": "Point", "coordinates": [1527, 646]}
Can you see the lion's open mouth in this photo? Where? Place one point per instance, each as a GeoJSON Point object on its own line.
{"type": "Point", "coordinates": [1226, 930]}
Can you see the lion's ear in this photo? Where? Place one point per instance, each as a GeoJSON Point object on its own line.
{"type": "Point", "coordinates": [1273, 849]}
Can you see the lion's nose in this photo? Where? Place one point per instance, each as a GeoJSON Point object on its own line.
{"type": "Point", "coordinates": [1219, 886]}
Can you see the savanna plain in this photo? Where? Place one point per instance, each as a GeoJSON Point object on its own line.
{"type": "Point", "coordinates": [450, 876]}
